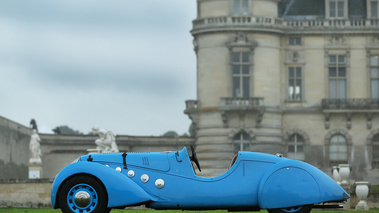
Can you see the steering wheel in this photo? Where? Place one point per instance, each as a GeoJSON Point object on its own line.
{"type": "Point", "coordinates": [194, 157]}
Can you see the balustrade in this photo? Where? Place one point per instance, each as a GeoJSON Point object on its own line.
{"type": "Point", "coordinates": [357, 104]}
{"type": "Point", "coordinates": [191, 105]}
{"type": "Point", "coordinates": [242, 103]}
{"type": "Point", "coordinates": [280, 23]}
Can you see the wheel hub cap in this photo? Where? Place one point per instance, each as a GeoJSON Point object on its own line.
{"type": "Point", "coordinates": [292, 209]}
{"type": "Point", "coordinates": [82, 199]}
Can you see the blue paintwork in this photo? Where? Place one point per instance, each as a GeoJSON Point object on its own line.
{"type": "Point", "coordinates": [255, 181]}
{"type": "Point", "coordinates": [116, 184]}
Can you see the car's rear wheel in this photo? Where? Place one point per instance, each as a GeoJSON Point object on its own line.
{"type": "Point", "coordinates": [83, 194]}
{"type": "Point", "coordinates": [294, 209]}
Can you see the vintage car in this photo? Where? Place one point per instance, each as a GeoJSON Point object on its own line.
{"type": "Point", "coordinates": [167, 180]}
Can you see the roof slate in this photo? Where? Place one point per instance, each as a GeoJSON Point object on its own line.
{"type": "Point", "coordinates": [316, 8]}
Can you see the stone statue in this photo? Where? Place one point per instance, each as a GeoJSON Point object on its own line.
{"type": "Point", "coordinates": [107, 141]}
{"type": "Point", "coordinates": [33, 124]}
{"type": "Point", "coordinates": [34, 147]}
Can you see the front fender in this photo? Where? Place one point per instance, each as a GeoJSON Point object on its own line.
{"type": "Point", "coordinates": [121, 190]}
{"type": "Point", "coordinates": [293, 183]}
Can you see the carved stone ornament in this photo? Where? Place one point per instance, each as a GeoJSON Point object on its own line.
{"type": "Point", "coordinates": [340, 132]}
{"type": "Point", "coordinates": [336, 40]}
{"type": "Point", "coordinates": [236, 131]}
{"type": "Point", "coordinates": [224, 119]}
{"type": "Point", "coordinates": [195, 45]}
{"type": "Point", "coordinates": [348, 120]}
{"type": "Point", "coordinates": [369, 120]}
{"type": "Point", "coordinates": [241, 40]}
{"type": "Point", "coordinates": [299, 132]}
{"type": "Point", "coordinates": [259, 117]}
{"type": "Point", "coordinates": [374, 39]}
{"type": "Point", "coordinates": [327, 120]}
{"type": "Point", "coordinates": [294, 56]}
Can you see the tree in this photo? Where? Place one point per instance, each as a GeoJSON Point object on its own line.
{"type": "Point", "coordinates": [65, 130]}
{"type": "Point", "coordinates": [170, 134]}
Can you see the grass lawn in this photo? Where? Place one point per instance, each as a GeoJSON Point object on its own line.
{"type": "Point", "coordinates": [16, 210]}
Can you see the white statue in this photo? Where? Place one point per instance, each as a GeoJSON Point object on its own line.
{"type": "Point", "coordinates": [106, 142]}
{"type": "Point", "coordinates": [34, 147]}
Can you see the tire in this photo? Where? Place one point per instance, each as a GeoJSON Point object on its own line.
{"type": "Point", "coordinates": [84, 194]}
{"type": "Point", "coordinates": [295, 209]}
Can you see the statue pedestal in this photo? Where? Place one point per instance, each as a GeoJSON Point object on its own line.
{"type": "Point", "coordinates": [93, 151]}
{"type": "Point", "coordinates": [35, 170]}
{"type": "Point", "coordinates": [346, 205]}
{"type": "Point", "coordinates": [362, 206]}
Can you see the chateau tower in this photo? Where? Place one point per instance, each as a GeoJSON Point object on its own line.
{"type": "Point", "coordinates": [238, 84]}
{"type": "Point", "coordinates": [299, 77]}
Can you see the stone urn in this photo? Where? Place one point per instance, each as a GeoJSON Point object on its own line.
{"type": "Point", "coordinates": [336, 175]}
{"type": "Point", "coordinates": [361, 190]}
{"type": "Point", "coordinates": [344, 173]}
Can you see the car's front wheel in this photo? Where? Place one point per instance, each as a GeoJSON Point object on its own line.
{"type": "Point", "coordinates": [294, 209]}
{"type": "Point", "coordinates": [84, 194]}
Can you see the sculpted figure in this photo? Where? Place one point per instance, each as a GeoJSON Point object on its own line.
{"type": "Point", "coordinates": [33, 124]}
{"type": "Point", "coordinates": [106, 142]}
{"type": "Point", "coordinates": [34, 147]}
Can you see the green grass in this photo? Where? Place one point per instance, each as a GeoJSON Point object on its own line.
{"type": "Point", "coordinates": [18, 210]}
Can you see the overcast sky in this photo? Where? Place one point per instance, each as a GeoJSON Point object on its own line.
{"type": "Point", "coordinates": [124, 65]}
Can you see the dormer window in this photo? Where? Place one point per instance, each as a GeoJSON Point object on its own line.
{"type": "Point", "coordinates": [241, 7]}
{"type": "Point", "coordinates": [372, 9]}
{"type": "Point", "coordinates": [336, 9]}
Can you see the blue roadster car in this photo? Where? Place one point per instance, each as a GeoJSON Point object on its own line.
{"type": "Point", "coordinates": [167, 180]}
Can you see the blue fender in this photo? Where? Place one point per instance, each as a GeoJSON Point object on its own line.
{"type": "Point", "coordinates": [294, 183]}
{"type": "Point", "coordinates": [120, 189]}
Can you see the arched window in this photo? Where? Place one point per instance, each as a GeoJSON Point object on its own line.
{"type": "Point", "coordinates": [338, 150]}
{"type": "Point", "coordinates": [241, 142]}
{"type": "Point", "coordinates": [375, 151]}
{"type": "Point", "coordinates": [295, 148]}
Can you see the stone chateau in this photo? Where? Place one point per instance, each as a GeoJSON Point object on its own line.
{"type": "Point", "coordinates": [298, 77]}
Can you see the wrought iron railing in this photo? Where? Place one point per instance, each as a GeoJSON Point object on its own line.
{"type": "Point", "coordinates": [357, 104]}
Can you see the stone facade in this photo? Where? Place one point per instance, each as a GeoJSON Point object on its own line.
{"type": "Point", "coordinates": [292, 76]}
{"type": "Point", "coordinates": [25, 193]}
{"type": "Point", "coordinates": [60, 150]}
{"type": "Point", "coordinates": [14, 149]}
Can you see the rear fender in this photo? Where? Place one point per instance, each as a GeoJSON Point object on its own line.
{"type": "Point", "coordinates": [293, 183]}
{"type": "Point", "coordinates": [121, 190]}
